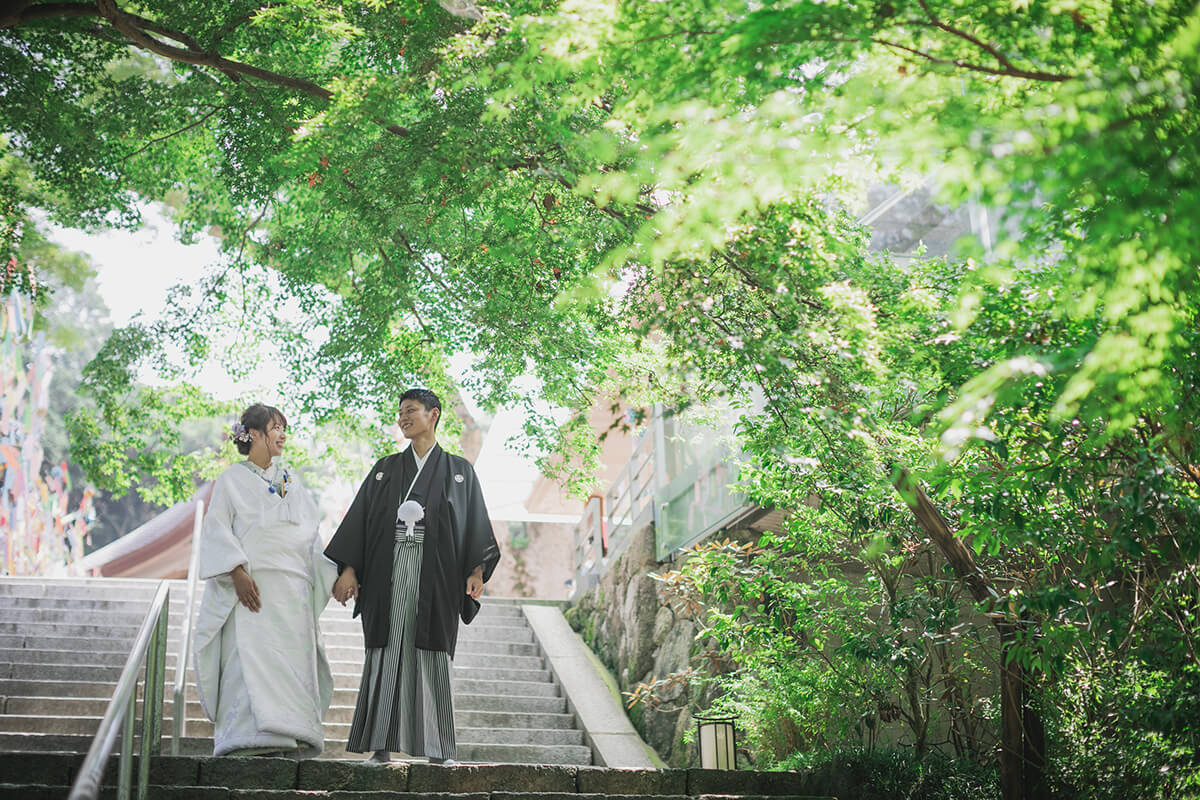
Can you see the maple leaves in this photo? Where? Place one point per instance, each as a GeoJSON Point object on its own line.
{"type": "Point", "coordinates": [315, 177]}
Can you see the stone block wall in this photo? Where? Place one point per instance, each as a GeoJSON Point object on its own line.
{"type": "Point", "coordinates": [627, 623]}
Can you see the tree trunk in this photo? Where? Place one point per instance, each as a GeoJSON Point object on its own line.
{"type": "Point", "coordinates": [1022, 736]}
{"type": "Point", "coordinates": [1012, 720]}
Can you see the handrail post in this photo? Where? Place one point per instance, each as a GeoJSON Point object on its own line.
{"type": "Point", "coordinates": [152, 694]}
{"type": "Point", "coordinates": [159, 657]}
{"type": "Point", "coordinates": [125, 768]}
{"type": "Point", "coordinates": [179, 697]}
{"type": "Point", "coordinates": [121, 714]}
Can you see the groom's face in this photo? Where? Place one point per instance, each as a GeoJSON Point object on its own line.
{"type": "Point", "coordinates": [415, 419]}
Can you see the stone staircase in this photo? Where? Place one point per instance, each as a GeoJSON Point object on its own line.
{"type": "Point", "coordinates": [46, 776]}
{"type": "Point", "coordinates": [63, 643]}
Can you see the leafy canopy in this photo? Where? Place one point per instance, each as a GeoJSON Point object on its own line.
{"type": "Point", "coordinates": [657, 201]}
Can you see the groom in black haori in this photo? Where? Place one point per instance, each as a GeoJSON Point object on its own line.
{"type": "Point", "coordinates": [414, 550]}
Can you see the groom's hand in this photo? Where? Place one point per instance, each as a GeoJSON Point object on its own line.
{"type": "Point", "coordinates": [346, 586]}
{"type": "Point", "coordinates": [475, 583]}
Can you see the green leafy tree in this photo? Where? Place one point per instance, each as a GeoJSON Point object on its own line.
{"type": "Point", "coordinates": [524, 180]}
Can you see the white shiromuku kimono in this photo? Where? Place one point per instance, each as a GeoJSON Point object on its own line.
{"type": "Point", "coordinates": [262, 677]}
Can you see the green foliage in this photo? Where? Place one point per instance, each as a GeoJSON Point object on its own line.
{"type": "Point", "coordinates": [657, 202]}
{"type": "Point", "coordinates": [1148, 749]}
{"type": "Point", "coordinates": [892, 775]}
{"type": "Point", "coordinates": [838, 646]}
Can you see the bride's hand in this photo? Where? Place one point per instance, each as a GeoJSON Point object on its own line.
{"type": "Point", "coordinates": [246, 588]}
{"type": "Point", "coordinates": [346, 586]}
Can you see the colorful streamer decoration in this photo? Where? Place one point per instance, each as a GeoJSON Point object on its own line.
{"type": "Point", "coordinates": [40, 532]}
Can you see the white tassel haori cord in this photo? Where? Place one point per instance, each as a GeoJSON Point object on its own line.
{"type": "Point", "coordinates": [410, 513]}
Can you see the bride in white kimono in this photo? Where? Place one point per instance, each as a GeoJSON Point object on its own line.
{"type": "Point", "coordinates": [260, 664]}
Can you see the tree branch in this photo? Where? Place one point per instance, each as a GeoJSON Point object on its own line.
{"type": "Point", "coordinates": [25, 11]}
{"type": "Point", "coordinates": [935, 526]}
{"type": "Point", "coordinates": [166, 136]}
{"type": "Point", "coordinates": [138, 30]}
{"type": "Point", "coordinates": [1008, 73]}
{"type": "Point", "coordinates": [130, 25]}
{"type": "Point", "coordinates": [961, 34]}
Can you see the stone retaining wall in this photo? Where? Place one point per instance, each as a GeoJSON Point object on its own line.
{"type": "Point", "coordinates": [38, 775]}
{"type": "Point", "coordinates": [638, 637]}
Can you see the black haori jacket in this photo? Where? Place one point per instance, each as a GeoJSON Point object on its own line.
{"type": "Point", "coordinates": [458, 538]}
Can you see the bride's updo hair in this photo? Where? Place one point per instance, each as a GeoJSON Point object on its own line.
{"type": "Point", "coordinates": [257, 417]}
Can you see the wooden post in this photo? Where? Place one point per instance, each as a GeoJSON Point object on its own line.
{"type": "Point", "coordinates": [1012, 723]}
{"type": "Point", "coordinates": [1034, 755]}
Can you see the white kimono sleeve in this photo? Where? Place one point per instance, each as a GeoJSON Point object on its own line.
{"type": "Point", "coordinates": [220, 549]}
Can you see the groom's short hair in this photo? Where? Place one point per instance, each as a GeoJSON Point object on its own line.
{"type": "Point", "coordinates": [425, 398]}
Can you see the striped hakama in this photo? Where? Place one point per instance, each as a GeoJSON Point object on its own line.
{"type": "Point", "coordinates": [406, 701]}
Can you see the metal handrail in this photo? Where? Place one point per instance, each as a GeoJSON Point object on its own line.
{"type": "Point", "coordinates": [149, 646]}
{"type": "Point", "coordinates": [179, 702]}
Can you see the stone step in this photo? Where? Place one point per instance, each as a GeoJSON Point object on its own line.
{"type": "Point", "coordinates": [513, 720]}
{"type": "Point", "coordinates": [463, 700]}
{"type": "Point", "coordinates": [525, 753]}
{"type": "Point", "coordinates": [343, 660]}
{"type": "Point", "coordinates": [34, 792]}
{"type": "Point", "coordinates": [345, 673]}
{"type": "Point", "coordinates": [261, 778]}
{"type": "Point", "coordinates": [510, 704]}
{"type": "Point", "coordinates": [464, 716]}
{"type": "Point", "coordinates": [60, 636]}
{"type": "Point", "coordinates": [85, 589]}
{"type": "Point", "coordinates": [546, 754]}
{"type": "Point", "coordinates": [106, 667]}
{"type": "Point", "coordinates": [472, 660]}
{"type": "Point", "coordinates": [99, 630]}
{"type": "Point", "coordinates": [497, 648]}
{"type": "Point", "coordinates": [44, 743]}
{"type": "Point", "coordinates": [126, 624]}
{"type": "Point", "coordinates": [467, 752]}
{"type": "Point", "coordinates": [41, 642]}
{"type": "Point", "coordinates": [43, 792]}
{"type": "Point", "coordinates": [334, 731]}
{"type": "Point", "coordinates": [44, 616]}
{"type": "Point", "coordinates": [122, 605]}
{"type": "Point", "coordinates": [517, 736]}
{"type": "Point", "coordinates": [99, 658]}
{"type": "Point", "coordinates": [44, 681]}
{"type": "Point", "coordinates": [505, 688]}
{"type": "Point", "coordinates": [488, 613]}
{"type": "Point", "coordinates": [350, 638]}
{"type": "Point", "coordinates": [348, 696]}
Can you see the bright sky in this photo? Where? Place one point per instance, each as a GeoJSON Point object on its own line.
{"type": "Point", "coordinates": [135, 272]}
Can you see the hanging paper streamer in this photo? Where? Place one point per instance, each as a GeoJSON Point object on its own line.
{"type": "Point", "coordinates": [40, 532]}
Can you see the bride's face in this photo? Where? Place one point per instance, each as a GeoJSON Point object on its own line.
{"type": "Point", "coordinates": [275, 437]}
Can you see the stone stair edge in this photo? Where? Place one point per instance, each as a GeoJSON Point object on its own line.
{"type": "Point", "coordinates": [511, 780]}
{"type": "Point", "coordinates": [150, 584]}
{"type": "Point", "coordinates": [38, 792]}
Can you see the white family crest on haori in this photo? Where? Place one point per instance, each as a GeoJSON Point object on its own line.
{"type": "Point", "coordinates": [410, 513]}
{"type": "Point", "coordinates": [263, 677]}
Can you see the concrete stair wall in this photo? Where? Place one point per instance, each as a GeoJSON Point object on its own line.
{"type": "Point", "coordinates": [46, 776]}
{"type": "Point", "coordinates": [63, 643]}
